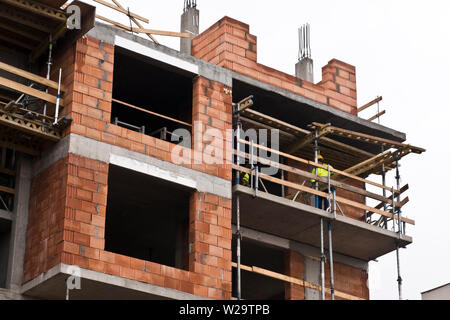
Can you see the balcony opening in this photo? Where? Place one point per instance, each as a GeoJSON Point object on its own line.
{"type": "Point", "coordinates": [147, 218]}
{"type": "Point", "coordinates": [151, 97]}
{"type": "Point", "coordinates": [256, 286]}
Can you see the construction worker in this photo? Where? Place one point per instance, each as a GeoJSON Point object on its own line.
{"type": "Point", "coordinates": [321, 202]}
{"type": "Point", "coordinates": [245, 179]}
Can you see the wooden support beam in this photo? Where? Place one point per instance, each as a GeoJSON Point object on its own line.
{"type": "Point", "coordinates": [13, 15]}
{"type": "Point", "coordinates": [152, 113]}
{"type": "Point", "coordinates": [371, 103]}
{"type": "Point", "coordinates": [286, 155]}
{"type": "Point", "coordinates": [293, 280]}
{"type": "Point", "coordinates": [21, 32]}
{"type": "Point", "coordinates": [162, 32]}
{"type": "Point", "coordinates": [38, 8]}
{"type": "Point", "coordinates": [370, 139]}
{"type": "Point", "coordinates": [30, 91]}
{"type": "Point", "coordinates": [135, 21]}
{"type": "Point", "coordinates": [244, 104]}
{"type": "Point", "coordinates": [377, 115]}
{"type": "Point", "coordinates": [119, 9]}
{"type": "Point", "coordinates": [31, 127]}
{"type": "Point", "coordinates": [30, 76]}
{"type": "Point", "coordinates": [299, 132]}
{"type": "Point", "coordinates": [16, 42]}
{"type": "Point", "coordinates": [324, 180]}
{"type": "Point", "coordinates": [7, 171]}
{"type": "Point", "coordinates": [308, 139]}
{"type": "Point", "coordinates": [7, 190]}
{"type": "Point", "coordinates": [322, 194]}
{"type": "Point", "coordinates": [368, 162]}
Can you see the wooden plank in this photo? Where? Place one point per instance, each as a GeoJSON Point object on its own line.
{"type": "Point", "coordinates": [135, 21]}
{"type": "Point", "coordinates": [371, 139]}
{"type": "Point", "coordinates": [293, 280]}
{"type": "Point", "coordinates": [291, 129]}
{"type": "Point", "coordinates": [20, 31]}
{"type": "Point", "coordinates": [321, 194]}
{"type": "Point", "coordinates": [152, 113]}
{"type": "Point", "coordinates": [30, 91]}
{"type": "Point", "coordinates": [18, 122]}
{"type": "Point", "coordinates": [371, 103]}
{"type": "Point", "coordinates": [17, 42]}
{"type": "Point", "coordinates": [368, 162]}
{"type": "Point", "coordinates": [30, 76]}
{"type": "Point", "coordinates": [162, 33]}
{"type": "Point", "coordinates": [308, 139]}
{"type": "Point", "coordinates": [324, 180]}
{"type": "Point", "coordinates": [119, 9]}
{"type": "Point", "coordinates": [377, 115]}
{"type": "Point", "coordinates": [286, 155]}
{"type": "Point", "coordinates": [7, 190]}
{"type": "Point", "coordinates": [7, 171]}
{"type": "Point", "coordinates": [38, 8]}
{"type": "Point", "coordinates": [13, 15]}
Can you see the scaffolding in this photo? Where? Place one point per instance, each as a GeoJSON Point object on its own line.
{"type": "Point", "coordinates": [353, 164]}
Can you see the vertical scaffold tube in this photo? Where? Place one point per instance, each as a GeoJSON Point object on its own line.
{"type": "Point", "coordinates": [238, 213]}
{"type": "Point", "coordinates": [322, 255]}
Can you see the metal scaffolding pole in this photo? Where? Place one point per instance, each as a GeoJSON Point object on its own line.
{"type": "Point", "coordinates": [330, 236]}
{"type": "Point", "coordinates": [238, 213]}
{"type": "Point", "coordinates": [399, 216]}
{"type": "Point", "coordinates": [322, 254]}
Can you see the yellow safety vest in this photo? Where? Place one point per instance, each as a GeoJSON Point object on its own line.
{"type": "Point", "coordinates": [246, 178]}
{"type": "Point", "coordinates": [322, 172]}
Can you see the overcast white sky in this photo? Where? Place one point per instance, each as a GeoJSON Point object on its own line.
{"type": "Point", "coordinates": [401, 50]}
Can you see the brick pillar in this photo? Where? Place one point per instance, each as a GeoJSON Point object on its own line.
{"type": "Point", "coordinates": [90, 102]}
{"type": "Point", "coordinates": [294, 268]}
{"type": "Point", "coordinates": [227, 43]}
{"type": "Point", "coordinates": [210, 244]}
{"type": "Point", "coordinates": [210, 215]}
{"type": "Point", "coordinates": [339, 81]}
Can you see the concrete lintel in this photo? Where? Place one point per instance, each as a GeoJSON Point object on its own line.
{"type": "Point", "coordinates": [333, 112]}
{"type": "Point", "coordinates": [103, 152]}
{"type": "Point", "coordinates": [304, 249]}
{"type": "Point", "coordinates": [206, 69]}
{"type": "Point", "coordinates": [52, 285]}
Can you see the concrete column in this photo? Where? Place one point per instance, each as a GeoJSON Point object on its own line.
{"type": "Point", "coordinates": [19, 224]}
{"type": "Point", "coordinates": [304, 69]}
{"type": "Point", "coordinates": [312, 274]}
{"type": "Point", "coordinates": [190, 23]}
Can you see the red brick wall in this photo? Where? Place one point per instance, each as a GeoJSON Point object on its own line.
{"type": "Point", "coordinates": [45, 220]}
{"type": "Point", "coordinates": [228, 43]}
{"type": "Point", "coordinates": [210, 244]}
{"type": "Point", "coordinates": [348, 279]}
{"type": "Point", "coordinates": [294, 268]}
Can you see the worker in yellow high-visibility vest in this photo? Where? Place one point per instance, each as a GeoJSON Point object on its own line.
{"type": "Point", "coordinates": [245, 179]}
{"type": "Point", "coordinates": [321, 202]}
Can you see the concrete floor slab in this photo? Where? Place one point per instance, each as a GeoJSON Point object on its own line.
{"type": "Point", "coordinates": [300, 222]}
{"type": "Point", "coordinates": [51, 285]}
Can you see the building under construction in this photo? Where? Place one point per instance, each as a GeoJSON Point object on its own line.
{"type": "Point", "coordinates": [94, 204]}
